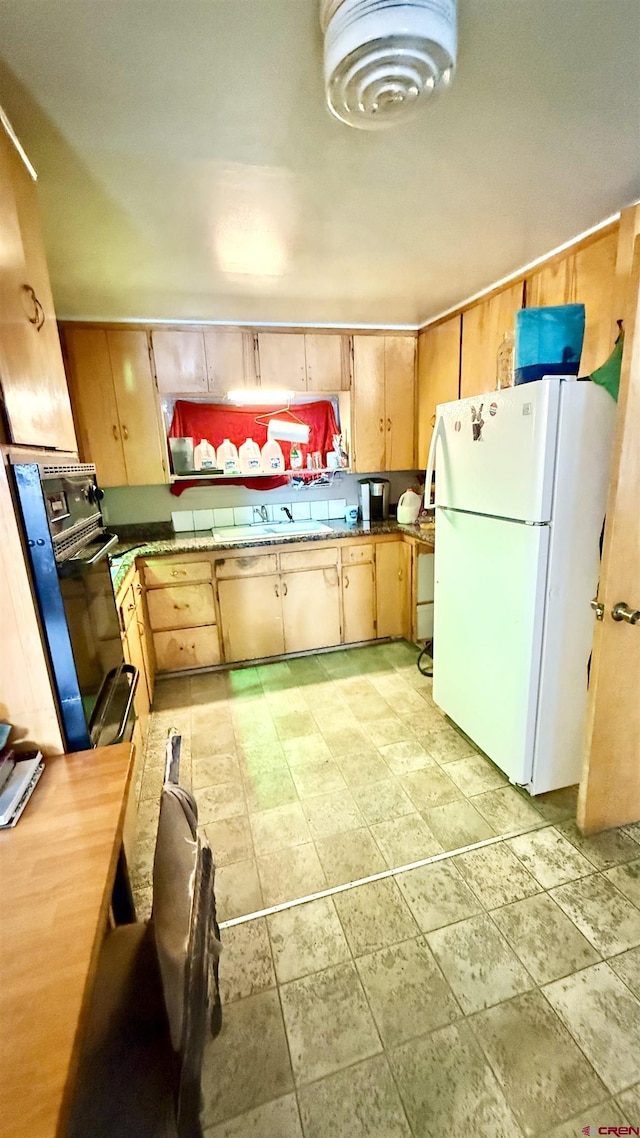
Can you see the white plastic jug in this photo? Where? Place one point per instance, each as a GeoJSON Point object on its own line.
{"type": "Point", "coordinates": [272, 457]}
{"type": "Point", "coordinates": [250, 458]}
{"type": "Point", "coordinates": [204, 456]}
{"type": "Point", "coordinates": [228, 457]}
{"type": "Point", "coordinates": [408, 508]}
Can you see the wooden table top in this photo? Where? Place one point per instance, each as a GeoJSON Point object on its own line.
{"type": "Point", "coordinates": [57, 868]}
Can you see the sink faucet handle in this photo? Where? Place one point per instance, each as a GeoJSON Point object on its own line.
{"type": "Point", "coordinates": [287, 511]}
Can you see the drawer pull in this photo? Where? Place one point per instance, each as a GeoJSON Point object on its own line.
{"type": "Point", "coordinates": [277, 590]}
{"type": "Point", "coordinates": [285, 589]}
{"type": "Point", "coordinates": [178, 572]}
{"type": "Point", "coordinates": [346, 582]}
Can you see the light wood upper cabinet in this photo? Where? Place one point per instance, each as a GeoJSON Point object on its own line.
{"type": "Point", "coordinates": [180, 361]}
{"type": "Point", "coordinates": [230, 360]}
{"type": "Point", "coordinates": [34, 387]}
{"type": "Point", "coordinates": [438, 376]}
{"type": "Point", "coordinates": [550, 285]}
{"type": "Point", "coordinates": [383, 408]}
{"type": "Point", "coordinates": [327, 360]}
{"type": "Point", "coordinates": [282, 360]}
{"type": "Point", "coordinates": [115, 405]}
{"type": "Point", "coordinates": [483, 327]}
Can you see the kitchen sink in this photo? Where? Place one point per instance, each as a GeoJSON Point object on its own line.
{"type": "Point", "coordinates": [269, 531]}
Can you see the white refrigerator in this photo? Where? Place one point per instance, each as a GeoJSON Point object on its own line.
{"type": "Point", "coordinates": [521, 487]}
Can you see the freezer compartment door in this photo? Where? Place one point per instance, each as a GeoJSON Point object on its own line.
{"type": "Point", "coordinates": [495, 453]}
{"type": "Point", "coordinates": [490, 579]}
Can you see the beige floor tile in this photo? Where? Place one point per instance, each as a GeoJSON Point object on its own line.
{"type": "Point", "coordinates": [608, 920]}
{"type": "Point", "coordinates": [317, 776]}
{"type": "Point", "coordinates": [223, 801]}
{"type": "Point", "coordinates": [336, 717]}
{"type": "Point", "coordinates": [349, 857]}
{"type": "Point", "coordinates": [213, 738]}
{"type": "Point", "coordinates": [437, 895]}
{"type": "Point", "coordinates": [457, 824]}
{"type": "Point", "coordinates": [496, 876]}
{"type": "Point", "coordinates": [448, 1088]}
{"type": "Point", "coordinates": [548, 1078]}
{"type": "Point", "coordinates": [629, 1101]}
{"type": "Point", "coordinates": [333, 813]}
{"type": "Point", "coordinates": [390, 730]}
{"type": "Point", "coordinates": [141, 870]}
{"type": "Point", "coordinates": [328, 1023]}
{"type": "Point", "coordinates": [626, 878]}
{"type": "Point", "coordinates": [248, 1064]}
{"type": "Point", "coordinates": [254, 758]}
{"type": "Point", "coordinates": [238, 890]}
{"type": "Point", "coordinates": [306, 939]}
{"type": "Point", "coordinates": [478, 963]}
{"type": "Point", "coordinates": [404, 757]}
{"type": "Point", "coordinates": [305, 749]}
{"type": "Point", "coordinates": [406, 991]}
{"type": "Point", "coordinates": [346, 740]}
{"type": "Point", "coordinates": [289, 874]}
{"type": "Point", "coordinates": [550, 857]}
{"type": "Point", "coordinates": [280, 828]}
{"type": "Point", "coordinates": [264, 790]}
{"type": "Point", "coordinates": [380, 801]}
{"type": "Point", "coordinates": [627, 967]}
{"type": "Point", "coordinates": [404, 840]}
{"type": "Point", "coordinates": [611, 847]}
{"type": "Point", "coordinates": [255, 730]}
{"type": "Point", "coordinates": [143, 900]}
{"type": "Point", "coordinates": [217, 768]}
{"type": "Point", "coordinates": [277, 1119]}
{"type": "Point", "coordinates": [558, 805]}
{"type": "Point", "coordinates": [230, 840]}
{"type": "Point", "coordinates": [286, 701]}
{"type": "Point", "coordinates": [374, 916]}
{"type": "Point", "coordinates": [604, 1019]}
{"type": "Point", "coordinates": [246, 966]}
{"type": "Point", "coordinates": [152, 782]}
{"type": "Point", "coordinates": [147, 820]}
{"type": "Point", "coordinates": [506, 809]}
{"type": "Point", "coordinates": [445, 744]}
{"type": "Point", "coordinates": [370, 708]}
{"type": "Point", "coordinates": [475, 774]}
{"type": "Point", "coordinates": [295, 725]}
{"type": "Point", "coordinates": [542, 936]}
{"type": "Point", "coordinates": [430, 787]}
{"type": "Point", "coordinates": [275, 676]}
{"type": "Point", "coordinates": [363, 767]}
{"type": "Point", "coordinates": [360, 1102]}
{"type": "Point", "coordinates": [606, 1113]}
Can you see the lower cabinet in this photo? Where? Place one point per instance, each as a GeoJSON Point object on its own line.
{"type": "Point", "coordinates": [358, 602]}
{"type": "Point", "coordinates": [186, 648]}
{"type": "Point", "coordinates": [182, 615]}
{"type": "Point", "coordinates": [311, 609]}
{"type": "Point", "coordinates": [393, 588]}
{"type": "Point", "coordinates": [251, 617]}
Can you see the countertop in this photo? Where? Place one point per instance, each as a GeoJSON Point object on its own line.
{"type": "Point", "coordinates": [126, 553]}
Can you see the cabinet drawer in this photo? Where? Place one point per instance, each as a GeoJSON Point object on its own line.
{"type": "Point", "coordinates": [182, 606]}
{"type": "Point", "coordinates": [163, 572]}
{"type": "Point", "coordinates": [309, 559]}
{"type": "Point", "coordinates": [246, 566]}
{"type": "Point", "coordinates": [186, 648]}
{"type": "Point", "coordinates": [357, 554]}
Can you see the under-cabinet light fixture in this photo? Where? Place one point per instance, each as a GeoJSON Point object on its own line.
{"type": "Point", "coordinates": [260, 396]}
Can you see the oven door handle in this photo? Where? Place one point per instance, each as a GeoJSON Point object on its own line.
{"type": "Point", "coordinates": [103, 697]}
{"type": "Point", "coordinates": [110, 542]}
{"type": "Point", "coordinates": [135, 676]}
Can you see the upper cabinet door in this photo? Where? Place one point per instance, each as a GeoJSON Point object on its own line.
{"type": "Point", "coordinates": [181, 365]}
{"type": "Point", "coordinates": [138, 410]}
{"type": "Point", "coordinates": [438, 376]}
{"type": "Point", "coordinates": [593, 272]}
{"type": "Point", "coordinates": [550, 285]}
{"type": "Point", "coordinates": [230, 360]}
{"type": "Point", "coordinates": [282, 360]}
{"type": "Point", "coordinates": [368, 411]}
{"type": "Point", "coordinates": [94, 403]}
{"type": "Point", "coordinates": [34, 385]}
{"type": "Point", "coordinates": [400, 402]}
{"type": "Point", "coordinates": [327, 362]}
{"type": "Point", "coordinates": [483, 327]}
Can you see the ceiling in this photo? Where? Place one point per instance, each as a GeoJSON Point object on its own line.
{"type": "Point", "coordinates": [189, 169]}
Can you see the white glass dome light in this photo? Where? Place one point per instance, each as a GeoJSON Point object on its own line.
{"type": "Point", "coordinates": [383, 57]}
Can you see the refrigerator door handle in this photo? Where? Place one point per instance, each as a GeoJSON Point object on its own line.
{"type": "Point", "coordinates": [428, 504]}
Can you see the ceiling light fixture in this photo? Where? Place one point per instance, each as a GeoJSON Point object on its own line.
{"type": "Point", "coordinates": [382, 57]}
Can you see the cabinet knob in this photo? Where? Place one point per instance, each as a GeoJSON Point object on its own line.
{"type": "Point", "coordinates": [381, 425]}
{"type": "Point", "coordinates": [125, 432]}
{"type": "Point", "coordinates": [178, 572]}
{"type": "Point", "coordinates": [346, 582]}
{"type": "Point", "coordinates": [277, 590]}
{"type": "Point", "coordinates": [115, 432]}
{"type": "Point", "coordinates": [388, 424]}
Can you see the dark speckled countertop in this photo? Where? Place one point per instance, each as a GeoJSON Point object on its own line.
{"type": "Point", "coordinates": [126, 552]}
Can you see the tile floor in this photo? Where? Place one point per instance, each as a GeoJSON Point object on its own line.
{"type": "Point", "coordinates": [494, 992]}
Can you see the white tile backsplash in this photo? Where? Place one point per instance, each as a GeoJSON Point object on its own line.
{"type": "Point", "coordinates": [182, 520]}
{"type": "Point", "coordinates": [203, 519]}
{"type": "Point", "coordinates": [320, 511]}
{"type": "Point", "coordinates": [337, 508]}
{"type": "Point", "coordinates": [301, 511]}
{"type": "Point", "coordinates": [242, 515]}
{"type": "Point", "coordinates": [223, 517]}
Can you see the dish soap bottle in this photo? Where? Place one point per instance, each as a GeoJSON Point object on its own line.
{"type": "Point", "coordinates": [204, 456]}
{"type": "Point", "coordinates": [228, 457]}
{"type": "Point", "coordinates": [295, 457]}
{"type": "Point", "coordinates": [272, 457]}
{"type": "Point", "coordinates": [250, 458]}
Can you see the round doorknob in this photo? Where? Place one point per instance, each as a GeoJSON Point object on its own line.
{"type": "Point", "coordinates": [621, 611]}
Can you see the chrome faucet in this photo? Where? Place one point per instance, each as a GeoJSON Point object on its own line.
{"type": "Point", "coordinates": [260, 513]}
{"type": "Point", "coordinates": [287, 511]}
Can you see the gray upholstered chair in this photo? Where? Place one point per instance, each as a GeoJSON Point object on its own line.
{"type": "Point", "coordinates": [155, 999]}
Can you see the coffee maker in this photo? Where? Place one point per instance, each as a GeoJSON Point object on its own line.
{"type": "Point", "coordinates": [374, 499]}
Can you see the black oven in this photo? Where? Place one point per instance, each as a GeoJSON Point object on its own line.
{"type": "Point", "coordinates": [68, 546]}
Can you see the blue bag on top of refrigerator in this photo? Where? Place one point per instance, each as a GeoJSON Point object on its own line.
{"type": "Point", "coordinates": [548, 341]}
